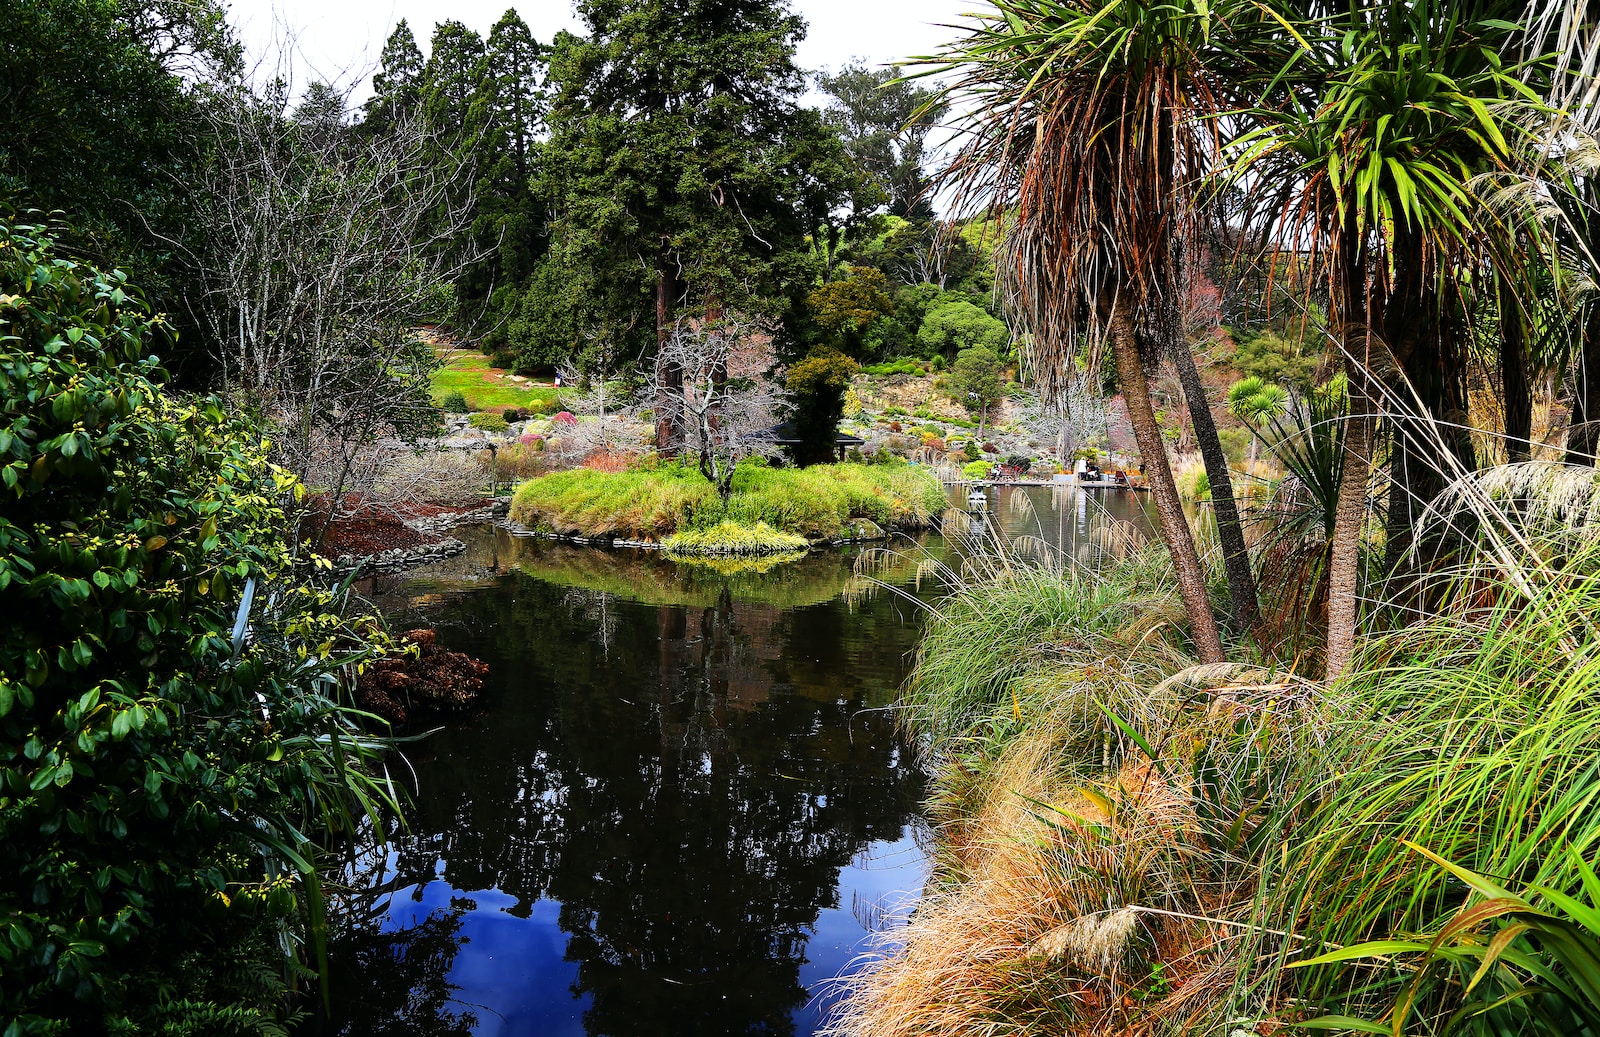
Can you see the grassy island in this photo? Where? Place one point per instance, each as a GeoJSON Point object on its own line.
{"type": "Point", "coordinates": [769, 509]}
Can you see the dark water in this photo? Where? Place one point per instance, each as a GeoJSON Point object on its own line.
{"type": "Point", "coordinates": [681, 808]}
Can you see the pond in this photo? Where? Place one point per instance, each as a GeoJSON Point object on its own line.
{"type": "Point", "coordinates": [682, 806]}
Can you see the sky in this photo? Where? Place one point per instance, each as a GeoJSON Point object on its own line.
{"type": "Point", "coordinates": [335, 35]}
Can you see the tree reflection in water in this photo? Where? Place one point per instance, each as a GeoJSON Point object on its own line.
{"type": "Point", "coordinates": [684, 779]}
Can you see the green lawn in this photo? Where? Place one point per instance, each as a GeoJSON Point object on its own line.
{"type": "Point", "coordinates": [485, 388]}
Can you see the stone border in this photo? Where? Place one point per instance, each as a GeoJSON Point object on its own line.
{"type": "Point", "coordinates": [401, 558]}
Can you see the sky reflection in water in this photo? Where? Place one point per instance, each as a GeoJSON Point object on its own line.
{"type": "Point", "coordinates": [682, 809]}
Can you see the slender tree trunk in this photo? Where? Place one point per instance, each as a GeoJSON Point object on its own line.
{"type": "Point", "coordinates": [1583, 431]}
{"type": "Point", "coordinates": [1420, 330]}
{"type": "Point", "coordinates": [1235, 555]}
{"type": "Point", "coordinates": [669, 374]}
{"type": "Point", "coordinates": [1174, 526]}
{"type": "Point", "coordinates": [1514, 383]}
{"type": "Point", "coordinates": [1349, 515]}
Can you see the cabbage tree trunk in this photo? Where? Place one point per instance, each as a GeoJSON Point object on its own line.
{"type": "Point", "coordinates": [1169, 508]}
{"type": "Point", "coordinates": [1230, 530]}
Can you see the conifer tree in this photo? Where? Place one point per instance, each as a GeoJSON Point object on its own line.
{"type": "Point", "coordinates": [397, 85]}
{"type": "Point", "coordinates": [672, 162]}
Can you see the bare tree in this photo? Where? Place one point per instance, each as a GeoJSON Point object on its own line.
{"type": "Point", "coordinates": [320, 252]}
{"type": "Point", "coordinates": [720, 397]}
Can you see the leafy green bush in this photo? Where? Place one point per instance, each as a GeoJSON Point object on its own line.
{"type": "Point", "coordinates": [162, 778]}
{"type": "Point", "coordinates": [904, 365]}
{"type": "Point", "coordinates": [453, 403]}
{"type": "Point", "coordinates": [976, 469]}
{"type": "Point", "coordinates": [488, 421]}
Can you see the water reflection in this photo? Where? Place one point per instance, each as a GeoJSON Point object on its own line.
{"type": "Point", "coordinates": [683, 807]}
{"type": "Point", "coordinates": [645, 832]}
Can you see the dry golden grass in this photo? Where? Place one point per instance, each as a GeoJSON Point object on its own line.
{"type": "Point", "coordinates": [1034, 930]}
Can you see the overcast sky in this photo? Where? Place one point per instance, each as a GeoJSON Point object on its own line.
{"type": "Point", "coordinates": [335, 35]}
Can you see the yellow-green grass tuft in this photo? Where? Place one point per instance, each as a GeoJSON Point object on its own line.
{"type": "Point", "coordinates": [733, 538]}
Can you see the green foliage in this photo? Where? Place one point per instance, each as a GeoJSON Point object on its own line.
{"type": "Point", "coordinates": [1275, 359]}
{"type": "Point", "coordinates": [976, 469]}
{"type": "Point", "coordinates": [843, 309]}
{"type": "Point", "coordinates": [96, 122]}
{"type": "Point", "coordinates": [680, 163]}
{"type": "Point", "coordinates": [884, 121]}
{"type": "Point", "coordinates": [904, 365]}
{"type": "Point", "coordinates": [816, 387]}
{"type": "Point", "coordinates": [1469, 735]}
{"type": "Point", "coordinates": [1538, 974]}
{"type": "Point", "coordinates": [958, 325]}
{"type": "Point", "coordinates": [453, 402]}
{"type": "Point", "coordinates": [733, 538]}
{"type": "Point", "coordinates": [974, 381]}
{"type": "Point", "coordinates": [488, 421]}
{"type": "Point", "coordinates": [1255, 402]}
{"type": "Point", "coordinates": [816, 503]}
{"type": "Point", "coordinates": [162, 778]}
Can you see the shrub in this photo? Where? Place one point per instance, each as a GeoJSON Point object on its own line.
{"type": "Point", "coordinates": [990, 448]}
{"type": "Point", "coordinates": [976, 469]}
{"type": "Point", "coordinates": [532, 440]}
{"type": "Point", "coordinates": [454, 403]}
{"type": "Point", "coordinates": [565, 418]}
{"type": "Point", "coordinates": [972, 451]}
{"type": "Point", "coordinates": [514, 415]}
{"type": "Point", "coordinates": [162, 776]}
{"type": "Point", "coordinates": [488, 421]}
{"type": "Point", "coordinates": [895, 426]}
{"type": "Point", "coordinates": [905, 365]}
{"type": "Point", "coordinates": [1020, 462]}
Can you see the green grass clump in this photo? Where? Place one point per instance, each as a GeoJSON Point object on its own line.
{"type": "Point", "coordinates": [484, 387]}
{"type": "Point", "coordinates": [733, 538]}
{"type": "Point", "coordinates": [816, 503]}
{"type": "Point", "coordinates": [488, 421]}
{"type": "Point", "coordinates": [639, 504]}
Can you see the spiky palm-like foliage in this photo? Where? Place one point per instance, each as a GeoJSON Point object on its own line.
{"type": "Point", "coordinates": [1390, 110]}
{"type": "Point", "coordinates": [1091, 123]}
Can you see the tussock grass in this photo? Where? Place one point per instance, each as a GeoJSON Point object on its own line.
{"type": "Point", "coordinates": [732, 538]}
{"type": "Point", "coordinates": [1097, 798]}
{"type": "Point", "coordinates": [651, 503]}
{"type": "Point", "coordinates": [1130, 844]}
{"type": "Point", "coordinates": [640, 504]}
{"type": "Point", "coordinates": [1475, 735]}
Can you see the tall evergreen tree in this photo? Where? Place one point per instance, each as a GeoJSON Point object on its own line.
{"type": "Point", "coordinates": [671, 161]}
{"type": "Point", "coordinates": [397, 85]}
{"type": "Point", "coordinates": [885, 123]}
{"type": "Point", "coordinates": [510, 221]}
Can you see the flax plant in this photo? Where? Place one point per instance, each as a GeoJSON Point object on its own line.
{"type": "Point", "coordinates": [1388, 112]}
{"type": "Point", "coordinates": [1092, 125]}
{"type": "Point", "coordinates": [1472, 735]}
